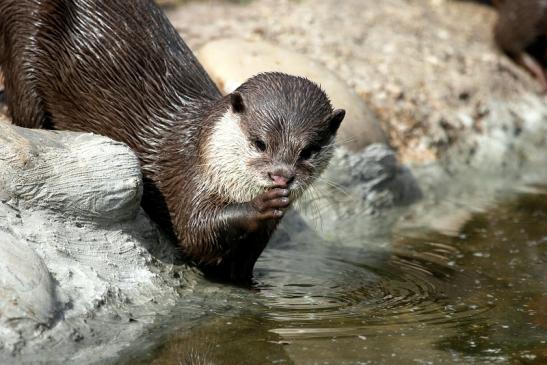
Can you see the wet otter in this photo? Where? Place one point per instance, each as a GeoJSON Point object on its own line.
{"type": "Point", "coordinates": [218, 171]}
{"type": "Point", "coordinates": [521, 32]}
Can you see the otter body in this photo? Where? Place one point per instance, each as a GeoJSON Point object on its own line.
{"type": "Point", "coordinates": [521, 32]}
{"type": "Point", "coordinates": [218, 171]}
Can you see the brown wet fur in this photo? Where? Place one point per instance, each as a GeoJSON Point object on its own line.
{"type": "Point", "coordinates": [118, 68]}
{"type": "Point", "coordinates": [521, 32]}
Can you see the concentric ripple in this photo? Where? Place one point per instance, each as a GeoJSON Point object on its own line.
{"type": "Point", "coordinates": [324, 292]}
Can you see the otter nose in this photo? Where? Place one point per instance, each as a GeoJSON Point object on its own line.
{"type": "Point", "coordinates": [281, 178]}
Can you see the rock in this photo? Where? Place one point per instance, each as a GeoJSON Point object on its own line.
{"type": "Point", "coordinates": [356, 188]}
{"type": "Point", "coordinates": [74, 245]}
{"type": "Point", "coordinates": [94, 194]}
{"type": "Point", "coordinates": [27, 292]}
{"type": "Point", "coordinates": [232, 61]}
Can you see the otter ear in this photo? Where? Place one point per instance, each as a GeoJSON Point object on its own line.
{"type": "Point", "coordinates": [335, 119]}
{"type": "Point", "coordinates": [238, 105]}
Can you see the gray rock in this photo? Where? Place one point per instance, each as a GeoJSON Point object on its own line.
{"type": "Point", "coordinates": [74, 246]}
{"type": "Point", "coordinates": [27, 292]}
{"type": "Point", "coordinates": [356, 188]}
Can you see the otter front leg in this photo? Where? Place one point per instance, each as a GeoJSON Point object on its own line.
{"type": "Point", "coordinates": [247, 229]}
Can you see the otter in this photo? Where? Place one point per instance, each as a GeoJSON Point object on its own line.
{"type": "Point", "coordinates": [521, 33]}
{"type": "Point", "coordinates": [218, 171]}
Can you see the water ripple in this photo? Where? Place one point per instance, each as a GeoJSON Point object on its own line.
{"type": "Point", "coordinates": [330, 292]}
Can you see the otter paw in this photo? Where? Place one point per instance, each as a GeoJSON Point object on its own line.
{"type": "Point", "coordinates": [271, 204]}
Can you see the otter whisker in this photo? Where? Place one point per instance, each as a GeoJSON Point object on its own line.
{"type": "Point", "coordinates": [307, 204]}
{"type": "Point", "coordinates": [333, 185]}
{"type": "Point", "coordinates": [341, 142]}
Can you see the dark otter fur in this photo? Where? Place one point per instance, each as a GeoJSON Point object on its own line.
{"type": "Point", "coordinates": [521, 32]}
{"type": "Point", "coordinates": [218, 171]}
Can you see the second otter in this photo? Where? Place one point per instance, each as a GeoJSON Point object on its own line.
{"type": "Point", "coordinates": [218, 171]}
{"type": "Point", "coordinates": [521, 32]}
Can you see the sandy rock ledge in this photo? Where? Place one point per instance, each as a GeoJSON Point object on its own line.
{"type": "Point", "coordinates": [428, 69]}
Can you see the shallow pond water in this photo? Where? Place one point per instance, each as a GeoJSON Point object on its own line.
{"type": "Point", "coordinates": [420, 297]}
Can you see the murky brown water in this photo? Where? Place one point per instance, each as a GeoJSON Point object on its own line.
{"type": "Point", "coordinates": [476, 298]}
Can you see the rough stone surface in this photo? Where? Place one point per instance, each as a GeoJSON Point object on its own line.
{"type": "Point", "coordinates": [232, 61]}
{"type": "Point", "coordinates": [73, 242]}
{"type": "Point", "coordinates": [27, 292]}
{"type": "Point", "coordinates": [362, 185]}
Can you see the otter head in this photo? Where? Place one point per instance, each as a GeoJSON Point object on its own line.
{"type": "Point", "coordinates": [276, 130]}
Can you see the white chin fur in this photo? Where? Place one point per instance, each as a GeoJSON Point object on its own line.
{"type": "Point", "coordinates": [227, 154]}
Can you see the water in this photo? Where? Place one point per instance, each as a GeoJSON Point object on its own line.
{"type": "Point", "coordinates": [422, 297]}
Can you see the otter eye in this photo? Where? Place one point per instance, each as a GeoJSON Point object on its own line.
{"type": "Point", "coordinates": [307, 152]}
{"type": "Point", "coordinates": [260, 145]}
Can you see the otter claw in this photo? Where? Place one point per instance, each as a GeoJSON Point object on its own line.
{"type": "Point", "coordinates": [270, 204]}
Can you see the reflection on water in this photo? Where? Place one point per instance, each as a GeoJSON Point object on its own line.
{"type": "Point", "coordinates": [476, 298]}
